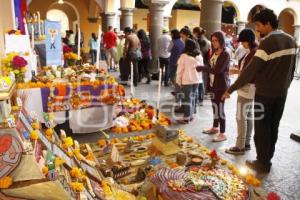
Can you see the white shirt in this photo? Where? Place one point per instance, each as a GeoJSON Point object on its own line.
{"type": "Point", "coordinates": [240, 52]}
{"type": "Point", "coordinates": [247, 91]}
{"type": "Point", "coordinates": [163, 45]}
{"type": "Point", "coordinates": [213, 61]}
{"type": "Point", "coordinates": [186, 71]}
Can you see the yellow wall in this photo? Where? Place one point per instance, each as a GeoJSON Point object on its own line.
{"type": "Point", "coordinates": [6, 23]}
{"type": "Point", "coordinates": [81, 5]}
{"type": "Point", "coordinates": [140, 18]}
{"type": "Point", "coordinates": [181, 18]}
{"type": "Point", "coordinates": [286, 22]}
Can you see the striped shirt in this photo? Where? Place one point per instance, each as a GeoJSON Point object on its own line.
{"type": "Point", "coordinates": [272, 66]}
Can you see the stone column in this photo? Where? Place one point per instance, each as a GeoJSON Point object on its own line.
{"type": "Point", "coordinates": [156, 26]}
{"type": "Point", "coordinates": [166, 22]}
{"type": "Point", "coordinates": [211, 15]}
{"type": "Point", "coordinates": [240, 26]}
{"type": "Point", "coordinates": [126, 18]}
{"type": "Point", "coordinates": [109, 20]}
{"type": "Point", "coordinates": [297, 33]}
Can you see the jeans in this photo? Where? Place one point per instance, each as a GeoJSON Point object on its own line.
{"type": "Point", "coordinates": [189, 102]}
{"type": "Point", "coordinates": [93, 53]}
{"type": "Point", "coordinates": [244, 119]}
{"type": "Point", "coordinates": [164, 65]}
{"type": "Point", "coordinates": [218, 110]}
{"type": "Point", "coordinates": [266, 126]}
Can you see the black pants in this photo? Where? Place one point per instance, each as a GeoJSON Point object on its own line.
{"type": "Point", "coordinates": [266, 126]}
{"type": "Point", "coordinates": [219, 113]}
{"type": "Point", "coordinates": [143, 68]}
{"type": "Point", "coordinates": [200, 92]}
{"type": "Point", "coordinates": [93, 53]}
{"type": "Point", "coordinates": [125, 70]}
{"type": "Point", "coordinates": [164, 65]}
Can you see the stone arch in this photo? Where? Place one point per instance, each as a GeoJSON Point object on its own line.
{"type": "Point", "coordinates": [182, 14]}
{"type": "Point", "coordinates": [58, 14]}
{"type": "Point", "coordinates": [236, 8]}
{"type": "Point", "coordinates": [70, 5]}
{"type": "Point", "coordinates": [71, 11]}
{"type": "Point", "coordinates": [287, 19]}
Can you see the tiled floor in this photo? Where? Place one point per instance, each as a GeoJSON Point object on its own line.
{"type": "Point", "coordinates": [284, 177]}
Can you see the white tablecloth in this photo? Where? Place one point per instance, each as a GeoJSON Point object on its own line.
{"type": "Point", "coordinates": [85, 120]}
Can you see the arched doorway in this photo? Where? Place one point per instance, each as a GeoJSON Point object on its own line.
{"type": "Point", "coordinates": [58, 15]}
{"type": "Point", "coordinates": [70, 11]}
{"type": "Point", "coordinates": [185, 13]}
{"type": "Point", "coordinates": [287, 19]}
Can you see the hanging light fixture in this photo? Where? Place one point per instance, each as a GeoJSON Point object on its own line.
{"type": "Point", "coordinates": [60, 1]}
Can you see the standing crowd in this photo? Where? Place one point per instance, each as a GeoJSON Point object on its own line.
{"type": "Point", "coordinates": [199, 67]}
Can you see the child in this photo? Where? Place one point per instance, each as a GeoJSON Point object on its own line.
{"type": "Point", "coordinates": [188, 78]}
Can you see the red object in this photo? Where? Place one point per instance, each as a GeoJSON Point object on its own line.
{"type": "Point", "coordinates": [23, 14]}
{"type": "Point", "coordinates": [273, 196]}
{"type": "Point", "coordinates": [213, 154]}
{"type": "Point", "coordinates": [67, 49]}
{"type": "Point", "coordinates": [110, 39]}
{"type": "Point", "coordinates": [19, 62]}
{"type": "Point", "coordinates": [11, 32]}
{"type": "Point", "coordinates": [5, 143]}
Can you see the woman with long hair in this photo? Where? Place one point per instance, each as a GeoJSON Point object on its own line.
{"type": "Point", "coordinates": [188, 79]}
{"type": "Point", "coordinates": [146, 53]}
{"type": "Point", "coordinates": [219, 82]}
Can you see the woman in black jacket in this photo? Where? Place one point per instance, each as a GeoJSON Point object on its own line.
{"type": "Point", "coordinates": [219, 82]}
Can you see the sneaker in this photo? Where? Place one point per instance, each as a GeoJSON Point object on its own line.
{"type": "Point", "coordinates": [220, 137]}
{"type": "Point", "coordinates": [210, 131]}
{"type": "Point", "coordinates": [235, 151]}
{"type": "Point", "coordinates": [247, 147]}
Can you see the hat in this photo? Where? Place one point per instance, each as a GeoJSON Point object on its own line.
{"type": "Point", "coordinates": [247, 35]}
{"type": "Point", "coordinates": [165, 30]}
{"type": "Point", "coordinates": [121, 33]}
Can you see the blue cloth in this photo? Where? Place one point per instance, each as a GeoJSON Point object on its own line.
{"type": "Point", "coordinates": [176, 51]}
{"type": "Point", "coordinates": [190, 99]}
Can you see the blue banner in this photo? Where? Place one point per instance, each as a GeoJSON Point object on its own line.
{"type": "Point", "coordinates": [53, 43]}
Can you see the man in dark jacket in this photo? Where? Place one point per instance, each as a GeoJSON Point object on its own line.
{"type": "Point", "coordinates": [273, 66]}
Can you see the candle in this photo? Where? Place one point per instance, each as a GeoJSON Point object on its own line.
{"type": "Point", "coordinates": [98, 47]}
{"type": "Point", "coordinates": [78, 43]}
{"type": "Point", "coordinates": [39, 23]}
{"type": "Point", "coordinates": [34, 18]}
{"type": "Point", "coordinates": [131, 80]}
{"type": "Point", "coordinates": [158, 92]}
{"type": "Point", "coordinates": [25, 26]}
{"type": "Point", "coordinates": [32, 37]}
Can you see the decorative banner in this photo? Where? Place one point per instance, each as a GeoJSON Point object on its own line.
{"type": "Point", "coordinates": [53, 43]}
{"type": "Point", "coordinates": [20, 13]}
